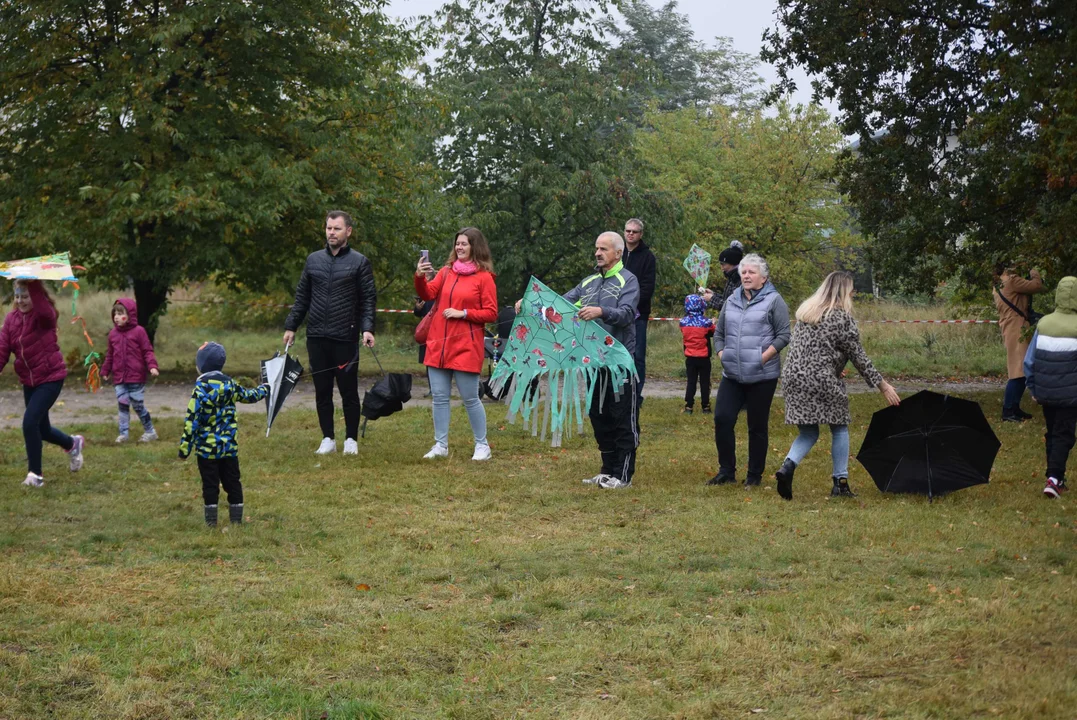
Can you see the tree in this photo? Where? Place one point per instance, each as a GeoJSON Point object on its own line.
{"type": "Point", "coordinates": [167, 141]}
{"type": "Point", "coordinates": [537, 148]}
{"type": "Point", "coordinates": [764, 180]}
{"type": "Point", "coordinates": [661, 63]}
{"type": "Point", "coordinates": [966, 118]}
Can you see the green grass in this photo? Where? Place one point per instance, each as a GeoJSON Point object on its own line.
{"type": "Point", "coordinates": [511, 590]}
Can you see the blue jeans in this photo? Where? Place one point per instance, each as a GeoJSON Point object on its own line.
{"type": "Point", "coordinates": [132, 395]}
{"type": "Point", "coordinates": [839, 446]}
{"type": "Point", "coordinates": [468, 385]}
{"type": "Point", "coordinates": [36, 428]}
{"type": "Point", "coordinates": [640, 356]}
{"type": "Point", "coordinates": [1011, 398]}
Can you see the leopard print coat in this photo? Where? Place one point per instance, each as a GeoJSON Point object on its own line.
{"type": "Point", "coordinates": [812, 386]}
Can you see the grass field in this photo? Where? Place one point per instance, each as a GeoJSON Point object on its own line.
{"type": "Point", "coordinates": [384, 586]}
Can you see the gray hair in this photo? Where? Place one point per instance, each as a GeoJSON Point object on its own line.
{"type": "Point", "coordinates": [635, 221]}
{"type": "Point", "coordinates": [757, 260]}
{"type": "Point", "coordinates": [615, 238]}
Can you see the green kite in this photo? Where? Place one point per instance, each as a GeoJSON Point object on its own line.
{"type": "Point", "coordinates": [552, 358]}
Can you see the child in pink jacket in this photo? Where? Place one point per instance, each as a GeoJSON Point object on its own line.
{"type": "Point", "coordinates": [130, 357]}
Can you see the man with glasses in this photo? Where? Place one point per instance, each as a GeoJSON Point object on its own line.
{"type": "Point", "coordinates": [640, 261]}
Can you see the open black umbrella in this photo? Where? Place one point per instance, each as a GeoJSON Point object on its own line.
{"type": "Point", "coordinates": [387, 396]}
{"type": "Point", "coordinates": [931, 444]}
{"type": "Point", "coordinates": [281, 372]}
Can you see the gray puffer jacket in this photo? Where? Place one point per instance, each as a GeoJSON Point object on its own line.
{"type": "Point", "coordinates": [336, 295]}
{"type": "Point", "coordinates": [746, 328]}
{"type": "Point", "coordinates": [616, 291]}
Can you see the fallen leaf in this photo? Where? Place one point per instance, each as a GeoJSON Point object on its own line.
{"type": "Point", "coordinates": [362, 587]}
{"type": "Point", "coordinates": [932, 589]}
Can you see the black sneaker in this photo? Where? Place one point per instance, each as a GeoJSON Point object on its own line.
{"type": "Point", "coordinates": [841, 488]}
{"type": "Point", "coordinates": [753, 482]}
{"type": "Point", "coordinates": [1022, 414]}
{"type": "Point", "coordinates": [722, 479]}
{"type": "Point", "coordinates": [686, 410]}
{"type": "Point", "coordinates": [784, 476]}
{"type": "Point", "coordinates": [1013, 417]}
{"type": "Point", "coordinates": [706, 409]}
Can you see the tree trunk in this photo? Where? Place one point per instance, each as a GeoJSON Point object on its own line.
{"type": "Point", "coordinates": [152, 302]}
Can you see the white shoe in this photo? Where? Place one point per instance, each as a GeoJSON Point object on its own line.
{"type": "Point", "coordinates": [74, 455]}
{"type": "Point", "coordinates": [438, 451]}
{"type": "Point", "coordinates": [596, 480]}
{"type": "Point", "coordinates": [121, 438]}
{"type": "Point", "coordinates": [351, 447]}
{"type": "Point", "coordinates": [482, 451]}
{"type": "Point", "coordinates": [148, 436]}
{"type": "Point", "coordinates": [614, 483]}
{"type": "Point", "coordinates": [329, 445]}
{"type": "Point", "coordinates": [33, 480]}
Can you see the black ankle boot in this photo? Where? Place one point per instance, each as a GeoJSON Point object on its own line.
{"type": "Point", "coordinates": [235, 514]}
{"type": "Point", "coordinates": [784, 476]}
{"type": "Point", "coordinates": [211, 516]}
{"type": "Point", "coordinates": [722, 479]}
{"type": "Point", "coordinates": [841, 488]}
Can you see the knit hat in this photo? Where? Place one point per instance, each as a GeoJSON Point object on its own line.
{"type": "Point", "coordinates": [210, 357]}
{"type": "Point", "coordinates": [733, 254]}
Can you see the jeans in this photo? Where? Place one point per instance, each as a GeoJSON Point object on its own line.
{"type": "Point", "coordinates": [132, 395]}
{"type": "Point", "coordinates": [839, 447]}
{"type": "Point", "coordinates": [756, 398]}
{"type": "Point", "coordinates": [468, 385]}
{"type": "Point", "coordinates": [1011, 398]}
{"type": "Point", "coordinates": [1061, 429]}
{"type": "Point", "coordinates": [36, 428]}
{"type": "Point", "coordinates": [339, 360]}
{"type": "Point", "coordinates": [640, 356]}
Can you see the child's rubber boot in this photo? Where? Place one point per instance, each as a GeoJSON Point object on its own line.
{"type": "Point", "coordinates": [235, 514]}
{"type": "Point", "coordinates": [211, 516]}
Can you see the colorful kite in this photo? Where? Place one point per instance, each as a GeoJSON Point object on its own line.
{"type": "Point", "coordinates": [698, 265]}
{"type": "Point", "coordinates": [552, 359]}
{"type": "Point", "coordinates": [46, 267]}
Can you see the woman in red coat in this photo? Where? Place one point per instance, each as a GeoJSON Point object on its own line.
{"type": "Point", "coordinates": [466, 299]}
{"type": "Point", "coordinates": [29, 332]}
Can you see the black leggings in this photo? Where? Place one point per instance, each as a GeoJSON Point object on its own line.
{"type": "Point", "coordinates": [756, 398]}
{"type": "Point", "coordinates": [36, 428]}
{"type": "Point", "coordinates": [218, 472]}
{"type": "Point", "coordinates": [699, 370]}
{"type": "Point", "coordinates": [1061, 429]}
{"type": "Point", "coordinates": [326, 358]}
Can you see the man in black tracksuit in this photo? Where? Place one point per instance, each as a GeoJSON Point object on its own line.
{"type": "Point", "coordinates": [640, 261]}
{"type": "Point", "coordinates": [336, 295]}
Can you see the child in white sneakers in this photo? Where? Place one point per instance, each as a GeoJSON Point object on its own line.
{"type": "Point", "coordinates": [128, 360]}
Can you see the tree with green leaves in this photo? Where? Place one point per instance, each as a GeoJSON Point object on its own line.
{"type": "Point", "coordinates": [966, 120]}
{"type": "Point", "coordinates": [763, 179]}
{"type": "Point", "coordinates": [538, 148]}
{"type": "Point", "coordinates": [660, 62]}
{"type": "Point", "coordinates": [168, 141]}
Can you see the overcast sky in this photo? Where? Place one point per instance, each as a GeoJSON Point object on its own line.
{"type": "Point", "coordinates": [742, 20]}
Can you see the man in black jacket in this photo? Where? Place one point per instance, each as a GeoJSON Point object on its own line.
{"type": "Point", "coordinates": [639, 260]}
{"type": "Point", "coordinates": [336, 296]}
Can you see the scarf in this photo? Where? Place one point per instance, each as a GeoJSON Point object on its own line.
{"type": "Point", "coordinates": [464, 268]}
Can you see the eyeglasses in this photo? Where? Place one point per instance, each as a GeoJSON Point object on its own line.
{"type": "Point", "coordinates": [633, 232]}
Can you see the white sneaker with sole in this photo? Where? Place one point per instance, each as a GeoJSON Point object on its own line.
{"type": "Point", "coordinates": [482, 451]}
{"type": "Point", "coordinates": [74, 455]}
{"type": "Point", "coordinates": [351, 447]}
{"type": "Point", "coordinates": [33, 480]}
{"type": "Point", "coordinates": [596, 480]}
{"type": "Point", "coordinates": [614, 483]}
{"type": "Point", "coordinates": [121, 438]}
{"type": "Point", "coordinates": [148, 436]}
{"type": "Point", "coordinates": [329, 445]}
{"type": "Point", "coordinates": [438, 451]}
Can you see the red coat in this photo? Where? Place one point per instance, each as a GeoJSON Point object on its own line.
{"type": "Point", "coordinates": [697, 341]}
{"type": "Point", "coordinates": [32, 338]}
{"type": "Point", "coordinates": [457, 344]}
{"type": "Point", "coordinates": [130, 354]}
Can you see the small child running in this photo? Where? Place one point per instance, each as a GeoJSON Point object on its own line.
{"type": "Point", "coordinates": [129, 358]}
{"type": "Point", "coordinates": [210, 431]}
{"type": "Point", "coordinates": [697, 331]}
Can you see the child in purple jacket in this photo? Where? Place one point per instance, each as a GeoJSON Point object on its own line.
{"type": "Point", "coordinates": [129, 358]}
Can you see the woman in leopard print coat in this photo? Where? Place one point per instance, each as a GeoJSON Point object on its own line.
{"type": "Point", "coordinates": [825, 338]}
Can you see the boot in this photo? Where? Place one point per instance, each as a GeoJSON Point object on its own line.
{"type": "Point", "coordinates": [722, 478]}
{"type": "Point", "coordinates": [784, 476]}
{"type": "Point", "coordinates": [235, 514]}
{"type": "Point", "coordinates": [211, 516]}
{"type": "Point", "coordinates": [841, 488]}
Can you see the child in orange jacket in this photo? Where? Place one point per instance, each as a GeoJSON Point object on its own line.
{"type": "Point", "coordinates": [697, 331]}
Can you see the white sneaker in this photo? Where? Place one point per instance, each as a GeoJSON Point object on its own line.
{"type": "Point", "coordinates": [596, 480]}
{"type": "Point", "coordinates": [329, 445]}
{"type": "Point", "coordinates": [438, 451]}
{"type": "Point", "coordinates": [148, 436]}
{"type": "Point", "coordinates": [351, 447]}
{"type": "Point", "coordinates": [74, 455]}
{"type": "Point", "coordinates": [33, 480]}
{"type": "Point", "coordinates": [482, 451]}
{"type": "Point", "coordinates": [614, 483]}
{"type": "Point", "coordinates": [121, 438]}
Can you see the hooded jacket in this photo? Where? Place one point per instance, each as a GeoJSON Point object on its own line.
{"type": "Point", "coordinates": [616, 291]}
{"type": "Point", "coordinates": [746, 328]}
{"type": "Point", "coordinates": [696, 329]}
{"type": "Point", "coordinates": [336, 296]}
{"type": "Point", "coordinates": [458, 344]}
{"type": "Point", "coordinates": [130, 354]}
{"type": "Point", "coordinates": [641, 263]}
{"type": "Point", "coordinates": [1051, 360]}
{"type": "Point", "coordinates": [32, 338]}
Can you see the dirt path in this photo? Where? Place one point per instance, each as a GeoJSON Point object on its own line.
{"type": "Point", "coordinates": [170, 400]}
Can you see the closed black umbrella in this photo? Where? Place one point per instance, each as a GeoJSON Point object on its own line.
{"type": "Point", "coordinates": [387, 396]}
{"type": "Point", "coordinates": [931, 444]}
